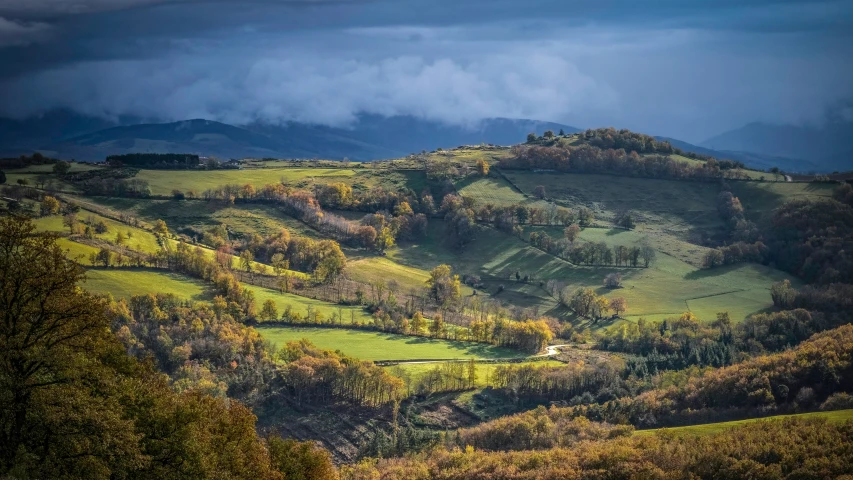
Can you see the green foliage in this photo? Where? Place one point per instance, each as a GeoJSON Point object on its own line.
{"type": "Point", "coordinates": [779, 449]}
{"type": "Point", "coordinates": [384, 346]}
{"type": "Point", "coordinates": [75, 406]}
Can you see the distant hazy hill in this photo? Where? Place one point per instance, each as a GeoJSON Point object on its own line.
{"type": "Point", "coordinates": [827, 148]}
{"type": "Point", "coordinates": [750, 159]}
{"type": "Point", "coordinates": [67, 135]}
{"type": "Point", "coordinates": [23, 136]}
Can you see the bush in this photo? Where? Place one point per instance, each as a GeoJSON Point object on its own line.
{"type": "Point", "coordinates": [838, 401]}
{"type": "Point", "coordinates": [613, 280]}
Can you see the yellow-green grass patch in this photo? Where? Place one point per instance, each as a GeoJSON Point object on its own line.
{"type": "Point", "coordinates": [163, 182]}
{"type": "Point", "coordinates": [494, 190]}
{"type": "Point", "coordinates": [668, 288]}
{"type": "Point", "coordinates": [384, 346]}
{"type": "Point", "coordinates": [76, 251]}
{"type": "Point", "coordinates": [344, 314]}
{"type": "Point", "coordinates": [375, 269]}
{"type": "Point", "coordinates": [135, 238]}
{"type": "Point", "coordinates": [124, 283]}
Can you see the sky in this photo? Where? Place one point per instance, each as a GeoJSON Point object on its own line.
{"type": "Point", "coordinates": [687, 69]}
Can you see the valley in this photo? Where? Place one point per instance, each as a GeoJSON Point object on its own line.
{"type": "Point", "coordinates": [442, 299]}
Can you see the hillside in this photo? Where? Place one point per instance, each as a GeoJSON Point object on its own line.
{"type": "Point", "coordinates": [457, 297]}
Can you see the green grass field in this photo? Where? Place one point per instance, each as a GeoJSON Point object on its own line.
{"type": "Point", "coordinates": [76, 251]}
{"type": "Point", "coordinates": [127, 282]}
{"type": "Point", "coordinates": [76, 167]}
{"type": "Point", "coordinates": [670, 287]}
{"type": "Point", "coordinates": [35, 179]}
{"type": "Point", "coordinates": [242, 219]}
{"type": "Point", "coordinates": [838, 416]}
{"type": "Point", "coordinates": [345, 314]}
{"type": "Point", "coordinates": [162, 182]}
{"type": "Point", "coordinates": [121, 283]}
{"type": "Point", "coordinates": [384, 346]}
{"type": "Point", "coordinates": [672, 206]}
{"type": "Point", "coordinates": [373, 269]}
{"type": "Point", "coordinates": [494, 190]}
{"type": "Point", "coordinates": [135, 238]}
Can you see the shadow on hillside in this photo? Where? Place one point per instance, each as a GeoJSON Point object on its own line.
{"type": "Point", "coordinates": [708, 272]}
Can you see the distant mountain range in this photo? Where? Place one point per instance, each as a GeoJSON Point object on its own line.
{"type": "Point", "coordinates": [68, 135]}
{"type": "Point", "coordinates": [750, 159]}
{"type": "Point", "coordinates": [826, 148]}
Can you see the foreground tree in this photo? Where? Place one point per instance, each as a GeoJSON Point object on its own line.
{"type": "Point", "coordinates": [73, 404]}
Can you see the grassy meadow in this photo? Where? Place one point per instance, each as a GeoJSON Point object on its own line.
{"type": "Point", "coordinates": [122, 283]}
{"type": "Point", "coordinates": [163, 182]}
{"type": "Point", "coordinates": [837, 416]}
{"type": "Point", "coordinates": [385, 346]}
{"type": "Point", "coordinates": [669, 287]}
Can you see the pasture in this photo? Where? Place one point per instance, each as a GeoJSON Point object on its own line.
{"type": "Point", "coordinates": [163, 182]}
{"type": "Point", "coordinates": [344, 314]}
{"type": "Point", "coordinates": [385, 346]}
{"type": "Point", "coordinates": [668, 288]}
{"type": "Point", "coordinates": [135, 238]}
{"type": "Point", "coordinates": [837, 416]}
{"type": "Point", "coordinates": [124, 283]}
{"type": "Point", "coordinates": [76, 251]}
{"type": "Point", "coordinates": [376, 269]}
{"type": "Point", "coordinates": [495, 190]}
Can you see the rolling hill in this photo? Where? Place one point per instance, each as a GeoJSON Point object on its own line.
{"type": "Point", "coordinates": [71, 136]}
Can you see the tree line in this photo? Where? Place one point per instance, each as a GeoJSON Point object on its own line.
{"type": "Point", "coordinates": [589, 159]}
{"type": "Point", "coordinates": [579, 449]}
{"type": "Point", "coordinates": [154, 160]}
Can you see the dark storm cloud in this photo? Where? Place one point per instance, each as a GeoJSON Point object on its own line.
{"type": "Point", "coordinates": [670, 67]}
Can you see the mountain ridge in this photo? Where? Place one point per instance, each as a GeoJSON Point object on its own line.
{"type": "Point", "coordinates": [373, 137]}
{"type": "Point", "coordinates": [827, 147]}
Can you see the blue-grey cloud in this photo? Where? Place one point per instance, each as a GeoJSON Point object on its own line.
{"type": "Point", "coordinates": [687, 69]}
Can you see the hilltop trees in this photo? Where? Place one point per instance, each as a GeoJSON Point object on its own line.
{"type": "Point", "coordinates": [61, 167]}
{"type": "Point", "coordinates": [619, 152]}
